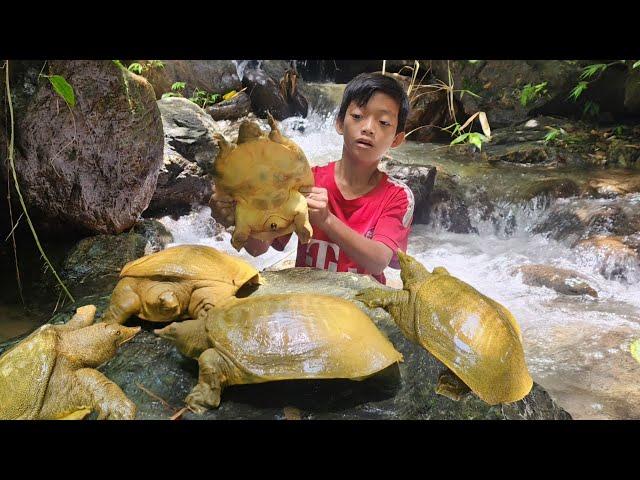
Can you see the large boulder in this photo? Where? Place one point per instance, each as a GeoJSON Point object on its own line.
{"type": "Point", "coordinates": [232, 109]}
{"type": "Point", "coordinates": [420, 180]}
{"type": "Point", "coordinates": [93, 167]}
{"type": "Point", "coordinates": [403, 392]}
{"type": "Point", "coordinates": [189, 151]}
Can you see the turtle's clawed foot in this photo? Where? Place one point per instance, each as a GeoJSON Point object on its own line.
{"type": "Point", "coordinates": [450, 386]}
{"type": "Point", "coordinates": [370, 297]}
{"type": "Point", "coordinates": [117, 410]}
{"type": "Point", "coordinates": [202, 398]}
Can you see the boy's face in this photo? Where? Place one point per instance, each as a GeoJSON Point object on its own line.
{"type": "Point", "coordinates": [369, 131]}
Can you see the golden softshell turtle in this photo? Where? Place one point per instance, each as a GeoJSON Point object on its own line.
{"type": "Point", "coordinates": [279, 337]}
{"type": "Point", "coordinates": [178, 282]}
{"type": "Point", "coordinates": [474, 336]}
{"type": "Point", "coordinates": [51, 373]}
{"type": "Point", "coordinates": [263, 175]}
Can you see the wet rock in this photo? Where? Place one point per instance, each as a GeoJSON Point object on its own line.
{"type": "Point", "coordinates": [236, 107]}
{"type": "Point", "coordinates": [561, 280]}
{"type": "Point", "coordinates": [189, 151]}
{"type": "Point", "coordinates": [92, 168]}
{"type": "Point", "coordinates": [93, 265]}
{"type": "Point", "coordinates": [264, 94]}
{"type": "Point", "coordinates": [420, 179]}
{"type": "Point", "coordinates": [406, 391]}
{"type": "Point", "coordinates": [448, 206]}
{"type": "Point", "coordinates": [617, 258]}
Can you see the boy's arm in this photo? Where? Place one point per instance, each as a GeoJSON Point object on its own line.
{"type": "Point", "coordinates": [371, 255]}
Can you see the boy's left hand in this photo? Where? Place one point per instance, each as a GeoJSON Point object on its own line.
{"type": "Point", "coordinates": [318, 203]}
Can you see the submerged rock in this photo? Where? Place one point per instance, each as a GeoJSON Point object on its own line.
{"type": "Point", "coordinates": [561, 280]}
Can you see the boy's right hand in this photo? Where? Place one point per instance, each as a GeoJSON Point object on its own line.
{"type": "Point", "coordinates": [223, 208]}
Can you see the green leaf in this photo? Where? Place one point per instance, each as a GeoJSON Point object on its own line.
{"type": "Point", "coordinates": [577, 90]}
{"type": "Point", "coordinates": [636, 65]}
{"type": "Point", "coordinates": [590, 70]}
{"type": "Point", "coordinates": [170, 94]}
{"type": "Point", "coordinates": [62, 87]}
{"type": "Point", "coordinates": [549, 137]}
{"type": "Point", "coordinates": [135, 68]}
{"type": "Point", "coordinates": [460, 139]}
{"type": "Point", "coordinates": [475, 139]}
{"type": "Point", "coordinates": [178, 86]}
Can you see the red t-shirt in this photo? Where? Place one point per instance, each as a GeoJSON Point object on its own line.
{"type": "Point", "coordinates": [384, 214]}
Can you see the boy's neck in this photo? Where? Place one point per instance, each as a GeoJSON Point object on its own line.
{"type": "Point", "coordinates": [355, 179]}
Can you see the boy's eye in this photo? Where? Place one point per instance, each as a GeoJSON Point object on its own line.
{"type": "Point", "coordinates": [385, 123]}
{"type": "Point", "coordinates": [357, 116]}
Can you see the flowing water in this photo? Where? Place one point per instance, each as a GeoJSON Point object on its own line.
{"type": "Point", "coordinates": [577, 347]}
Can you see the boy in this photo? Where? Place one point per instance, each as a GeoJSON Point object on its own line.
{"type": "Point", "coordinates": [360, 216]}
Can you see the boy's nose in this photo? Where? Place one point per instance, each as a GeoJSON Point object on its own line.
{"type": "Point", "coordinates": [367, 126]}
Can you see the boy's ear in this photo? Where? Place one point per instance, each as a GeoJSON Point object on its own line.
{"type": "Point", "coordinates": [339, 126]}
{"type": "Point", "coordinates": [398, 140]}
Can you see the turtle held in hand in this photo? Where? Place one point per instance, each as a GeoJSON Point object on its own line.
{"type": "Point", "coordinates": [478, 339]}
{"type": "Point", "coordinates": [263, 174]}
{"type": "Point", "coordinates": [51, 374]}
{"type": "Point", "coordinates": [178, 282]}
{"type": "Point", "coordinates": [279, 337]}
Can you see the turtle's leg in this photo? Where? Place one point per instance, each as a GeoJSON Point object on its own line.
{"type": "Point", "coordinates": [124, 302]}
{"type": "Point", "coordinates": [211, 381]}
{"type": "Point", "coordinates": [450, 385]}
{"type": "Point", "coordinates": [72, 394]}
{"type": "Point", "coordinates": [205, 298]}
{"type": "Point", "coordinates": [105, 396]}
{"type": "Point", "coordinates": [83, 317]}
{"type": "Point", "coordinates": [243, 229]}
{"type": "Point", "coordinates": [301, 220]}
{"type": "Point", "coordinates": [378, 297]}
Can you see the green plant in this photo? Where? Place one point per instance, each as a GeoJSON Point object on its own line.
{"type": "Point", "coordinates": [591, 109]}
{"type": "Point", "coordinates": [178, 86]}
{"type": "Point", "coordinates": [553, 134]}
{"type": "Point", "coordinates": [577, 90]}
{"type": "Point", "coordinates": [530, 92]}
{"type": "Point", "coordinates": [473, 138]}
{"type": "Point", "coordinates": [62, 87]}
{"type": "Point", "coordinates": [135, 68]}
{"type": "Point", "coordinates": [202, 98]}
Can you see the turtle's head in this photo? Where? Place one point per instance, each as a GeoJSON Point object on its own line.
{"type": "Point", "coordinates": [411, 270]}
{"type": "Point", "coordinates": [189, 336]}
{"type": "Point", "coordinates": [162, 303]}
{"type": "Point", "coordinates": [249, 130]}
{"type": "Point", "coordinates": [97, 343]}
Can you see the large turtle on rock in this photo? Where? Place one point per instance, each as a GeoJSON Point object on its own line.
{"type": "Point", "coordinates": [478, 339]}
{"type": "Point", "coordinates": [179, 282]}
{"type": "Point", "coordinates": [51, 374]}
{"type": "Point", "coordinates": [263, 174]}
{"type": "Point", "coordinates": [279, 337]}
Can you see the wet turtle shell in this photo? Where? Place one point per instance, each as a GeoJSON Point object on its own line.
{"type": "Point", "coordinates": [298, 336]}
{"type": "Point", "coordinates": [25, 371]}
{"type": "Point", "coordinates": [191, 262]}
{"type": "Point", "coordinates": [263, 174]}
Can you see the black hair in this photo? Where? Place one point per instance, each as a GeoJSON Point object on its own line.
{"type": "Point", "coordinates": [361, 88]}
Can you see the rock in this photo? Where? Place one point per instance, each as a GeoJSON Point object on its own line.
{"type": "Point", "coordinates": [94, 264]}
{"type": "Point", "coordinates": [92, 168]}
{"type": "Point", "coordinates": [264, 94]}
{"type": "Point", "coordinates": [404, 392]}
{"type": "Point", "coordinates": [420, 179]}
{"type": "Point", "coordinates": [561, 280]}
{"type": "Point", "coordinates": [616, 257]}
{"type": "Point", "coordinates": [237, 107]}
{"type": "Point", "coordinates": [448, 206]}
{"type": "Point", "coordinates": [189, 151]}
{"type": "Point", "coordinates": [212, 76]}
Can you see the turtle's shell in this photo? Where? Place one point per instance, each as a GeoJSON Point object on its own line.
{"type": "Point", "coordinates": [25, 371]}
{"type": "Point", "coordinates": [191, 262]}
{"type": "Point", "coordinates": [473, 335]}
{"type": "Point", "coordinates": [298, 336]}
{"type": "Point", "coordinates": [261, 172]}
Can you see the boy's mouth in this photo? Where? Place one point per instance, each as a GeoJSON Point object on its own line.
{"type": "Point", "coordinates": [363, 142]}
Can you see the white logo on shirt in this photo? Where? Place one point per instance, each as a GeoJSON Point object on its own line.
{"type": "Point", "coordinates": [322, 255]}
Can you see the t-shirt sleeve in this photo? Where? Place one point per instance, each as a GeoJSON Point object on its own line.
{"type": "Point", "coordinates": [394, 225]}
